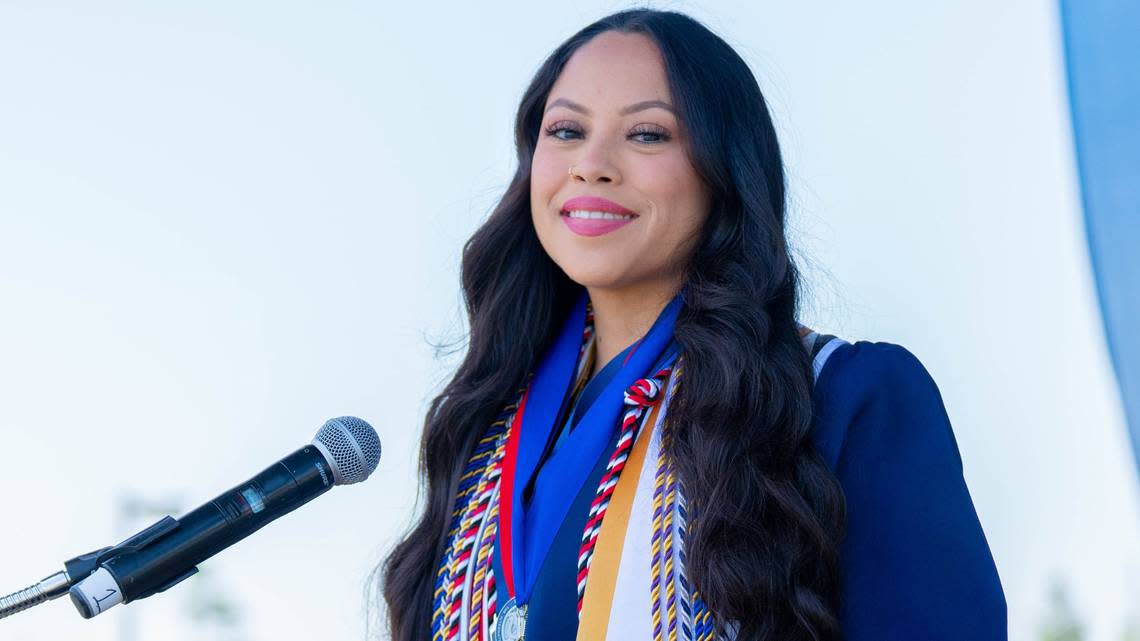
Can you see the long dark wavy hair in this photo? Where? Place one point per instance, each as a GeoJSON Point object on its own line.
{"type": "Point", "coordinates": [766, 513]}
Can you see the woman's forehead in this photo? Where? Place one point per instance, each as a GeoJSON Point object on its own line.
{"type": "Point", "coordinates": [611, 71]}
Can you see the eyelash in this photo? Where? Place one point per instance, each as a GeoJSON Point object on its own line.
{"type": "Point", "coordinates": [663, 136]}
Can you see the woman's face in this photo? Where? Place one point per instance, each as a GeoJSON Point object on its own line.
{"type": "Point", "coordinates": [609, 115]}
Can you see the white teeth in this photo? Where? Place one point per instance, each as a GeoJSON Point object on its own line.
{"type": "Point", "coordinates": [603, 215]}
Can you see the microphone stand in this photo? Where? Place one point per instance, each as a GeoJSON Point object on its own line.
{"type": "Point", "coordinates": [54, 586]}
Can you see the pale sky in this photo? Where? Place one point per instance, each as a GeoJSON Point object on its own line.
{"type": "Point", "coordinates": [221, 225]}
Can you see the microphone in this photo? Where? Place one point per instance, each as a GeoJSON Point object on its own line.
{"type": "Point", "coordinates": [345, 450]}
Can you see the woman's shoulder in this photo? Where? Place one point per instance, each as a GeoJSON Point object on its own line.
{"type": "Point", "coordinates": [866, 365]}
{"type": "Point", "coordinates": [916, 562]}
{"type": "Point", "coordinates": [857, 379]}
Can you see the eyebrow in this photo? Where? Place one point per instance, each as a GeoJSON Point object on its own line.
{"type": "Point", "coordinates": [625, 111]}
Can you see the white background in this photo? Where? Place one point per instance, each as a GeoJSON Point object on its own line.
{"type": "Point", "coordinates": [221, 225]}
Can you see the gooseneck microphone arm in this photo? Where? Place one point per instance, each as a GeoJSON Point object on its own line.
{"type": "Point", "coordinates": [49, 588]}
{"type": "Point", "coordinates": [346, 450]}
{"type": "Point", "coordinates": [53, 586]}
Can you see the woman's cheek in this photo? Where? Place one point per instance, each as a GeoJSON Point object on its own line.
{"type": "Point", "coordinates": [546, 166]}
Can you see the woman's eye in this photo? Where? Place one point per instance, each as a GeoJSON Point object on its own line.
{"type": "Point", "coordinates": [661, 135]}
{"type": "Point", "coordinates": [553, 131]}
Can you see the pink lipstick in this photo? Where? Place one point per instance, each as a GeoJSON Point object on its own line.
{"type": "Point", "coordinates": [595, 216]}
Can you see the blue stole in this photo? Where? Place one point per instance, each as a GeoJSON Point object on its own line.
{"type": "Point", "coordinates": [533, 527]}
{"type": "Point", "coordinates": [552, 615]}
{"type": "Point", "coordinates": [593, 388]}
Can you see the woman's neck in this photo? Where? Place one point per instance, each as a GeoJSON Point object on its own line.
{"type": "Point", "coordinates": [623, 316]}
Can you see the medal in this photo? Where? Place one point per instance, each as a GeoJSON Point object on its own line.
{"type": "Point", "coordinates": [510, 623]}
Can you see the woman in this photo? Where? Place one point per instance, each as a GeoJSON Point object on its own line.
{"type": "Point", "coordinates": [642, 441]}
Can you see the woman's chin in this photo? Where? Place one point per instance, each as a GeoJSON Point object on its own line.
{"type": "Point", "coordinates": [596, 279]}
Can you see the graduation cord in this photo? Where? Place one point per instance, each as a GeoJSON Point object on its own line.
{"type": "Point", "coordinates": [639, 397]}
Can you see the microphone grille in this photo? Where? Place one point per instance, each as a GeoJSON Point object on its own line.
{"type": "Point", "coordinates": [353, 446]}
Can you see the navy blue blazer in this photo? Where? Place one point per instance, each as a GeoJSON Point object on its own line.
{"type": "Point", "coordinates": [915, 561]}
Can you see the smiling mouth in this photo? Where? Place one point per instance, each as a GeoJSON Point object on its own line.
{"type": "Point", "coordinates": [595, 223]}
{"type": "Point", "coordinates": [581, 214]}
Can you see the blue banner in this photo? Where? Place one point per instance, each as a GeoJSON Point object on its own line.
{"type": "Point", "coordinates": [1102, 58]}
